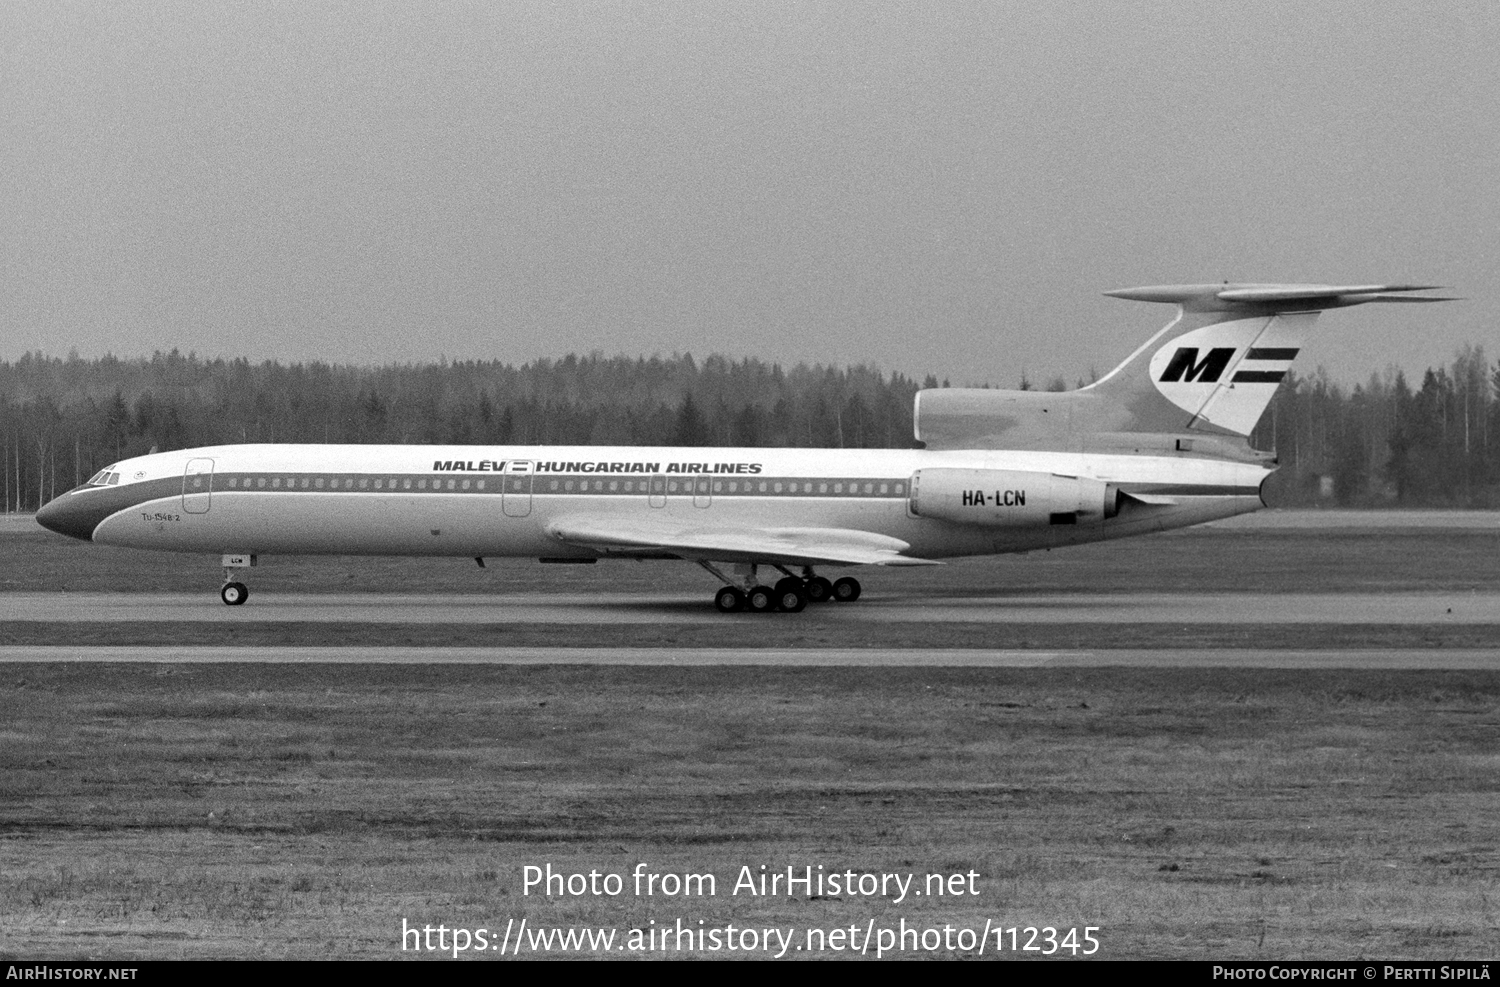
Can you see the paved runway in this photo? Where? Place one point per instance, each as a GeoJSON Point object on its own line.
{"type": "Point", "coordinates": [1477, 658]}
{"type": "Point", "coordinates": [652, 608]}
{"type": "Point", "coordinates": [1310, 520]}
{"type": "Point", "coordinates": [1174, 609]}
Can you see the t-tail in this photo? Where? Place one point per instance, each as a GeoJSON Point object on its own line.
{"type": "Point", "coordinates": [1198, 386]}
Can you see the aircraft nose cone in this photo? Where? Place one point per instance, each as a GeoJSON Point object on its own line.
{"type": "Point", "coordinates": [66, 515]}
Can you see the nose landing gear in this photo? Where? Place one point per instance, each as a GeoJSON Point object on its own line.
{"type": "Point", "coordinates": [234, 592]}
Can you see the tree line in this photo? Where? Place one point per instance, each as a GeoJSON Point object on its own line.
{"type": "Point", "coordinates": [1389, 442]}
{"type": "Point", "coordinates": [1383, 442]}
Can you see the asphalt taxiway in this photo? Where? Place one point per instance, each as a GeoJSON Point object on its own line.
{"type": "Point", "coordinates": [1458, 607]}
{"type": "Point", "coordinates": [1429, 659]}
{"type": "Point", "coordinates": [1425, 608]}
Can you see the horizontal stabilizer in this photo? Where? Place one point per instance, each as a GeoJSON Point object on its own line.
{"type": "Point", "coordinates": [1382, 297]}
{"type": "Point", "coordinates": [786, 546]}
{"type": "Point", "coordinates": [1220, 297]}
{"type": "Point", "coordinates": [1280, 292]}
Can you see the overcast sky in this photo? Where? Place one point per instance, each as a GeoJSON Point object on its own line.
{"type": "Point", "coordinates": [930, 187]}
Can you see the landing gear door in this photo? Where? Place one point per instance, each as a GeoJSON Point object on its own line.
{"type": "Point", "coordinates": [515, 497]}
{"type": "Point", "coordinates": [197, 486]}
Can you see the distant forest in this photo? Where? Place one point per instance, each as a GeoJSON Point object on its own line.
{"type": "Point", "coordinates": [1384, 442]}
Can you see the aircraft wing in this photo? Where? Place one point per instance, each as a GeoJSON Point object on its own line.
{"type": "Point", "coordinates": [785, 546]}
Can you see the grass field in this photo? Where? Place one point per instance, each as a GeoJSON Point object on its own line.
{"type": "Point", "coordinates": [304, 811]}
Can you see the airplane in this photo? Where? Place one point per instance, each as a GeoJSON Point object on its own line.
{"type": "Point", "coordinates": [1160, 442]}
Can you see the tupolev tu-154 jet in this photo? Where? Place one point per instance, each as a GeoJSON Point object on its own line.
{"type": "Point", "coordinates": [1160, 442]}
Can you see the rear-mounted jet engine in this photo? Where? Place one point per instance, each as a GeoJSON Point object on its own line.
{"type": "Point", "coordinates": [1010, 498]}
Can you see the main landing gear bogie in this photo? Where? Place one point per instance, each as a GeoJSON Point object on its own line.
{"type": "Point", "coordinates": [791, 594]}
{"type": "Point", "coordinates": [846, 590]}
{"type": "Point", "coordinates": [760, 599]}
{"type": "Point", "coordinates": [819, 590]}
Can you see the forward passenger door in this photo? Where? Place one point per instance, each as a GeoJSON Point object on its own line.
{"type": "Point", "coordinates": [515, 496]}
{"type": "Point", "coordinates": [197, 486]}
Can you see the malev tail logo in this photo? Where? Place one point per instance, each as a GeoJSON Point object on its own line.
{"type": "Point", "coordinates": [1186, 367]}
{"type": "Point", "coordinates": [1225, 373]}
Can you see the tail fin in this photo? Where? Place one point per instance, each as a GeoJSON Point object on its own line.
{"type": "Point", "coordinates": [1210, 373]}
{"type": "Point", "coordinates": [1216, 366]}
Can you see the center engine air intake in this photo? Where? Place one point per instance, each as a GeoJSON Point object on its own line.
{"type": "Point", "coordinates": [1010, 498]}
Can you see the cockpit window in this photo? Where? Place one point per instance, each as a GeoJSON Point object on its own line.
{"type": "Point", "coordinates": [106, 477]}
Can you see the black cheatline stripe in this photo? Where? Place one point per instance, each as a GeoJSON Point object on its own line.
{"type": "Point", "coordinates": [1272, 353]}
{"type": "Point", "coordinates": [1259, 376]}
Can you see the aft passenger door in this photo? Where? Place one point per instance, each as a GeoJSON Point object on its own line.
{"type": "Point", "coordinates": [197, 486]}
{"type": "Point", "coordinates": [515, 495]}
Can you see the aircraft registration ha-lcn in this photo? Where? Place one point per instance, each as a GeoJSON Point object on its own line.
{"type": "Point", "coordinates": [1161, 442]}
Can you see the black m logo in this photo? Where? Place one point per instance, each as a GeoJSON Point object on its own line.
{"type": "Point", "coordinates": [1185, 365]}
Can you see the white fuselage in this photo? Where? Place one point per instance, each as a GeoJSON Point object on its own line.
{"type": "Point", "coordinates": [500, 501]}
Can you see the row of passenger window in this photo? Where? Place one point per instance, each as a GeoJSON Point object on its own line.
{"type": "Point", "coordinates": [699, 486]}
{"type": "Point", "coordinates": [703, 485]}
{"type": "Point", "coordinates": [352, 483]}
